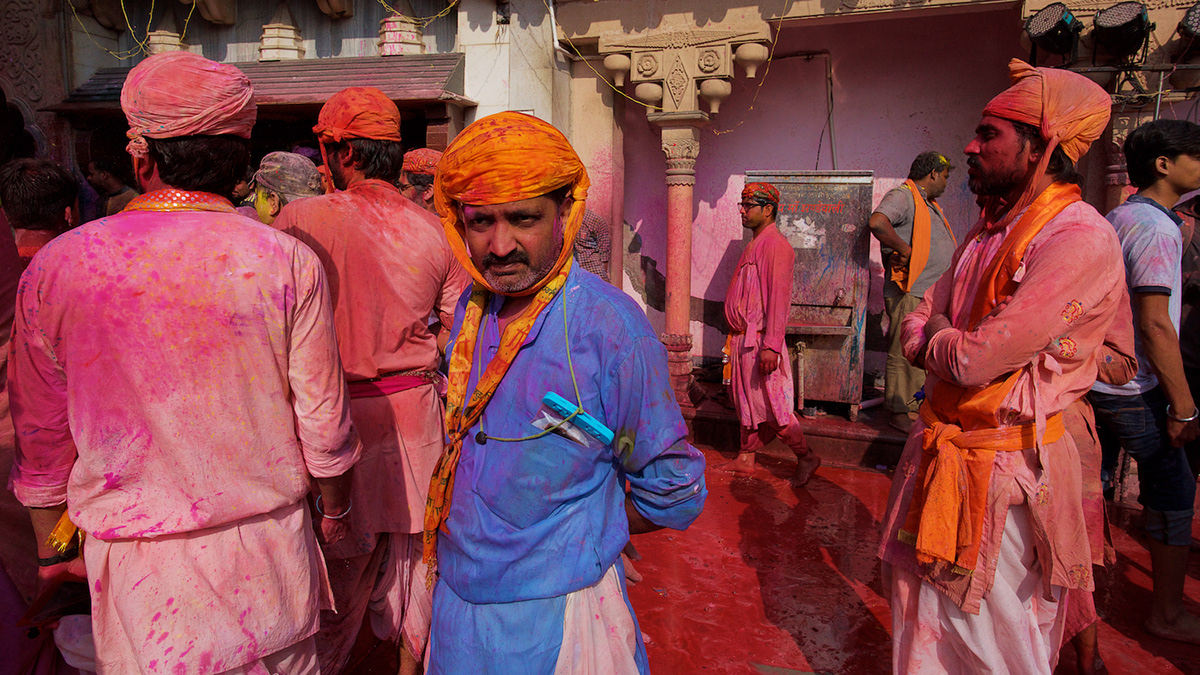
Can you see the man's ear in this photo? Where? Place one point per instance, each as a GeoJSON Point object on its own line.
{"type": "Point", "coordinates": [1162, 166]}
{"type": "Point", "coordinates": [564, 209]}
{"type": "Point", "coordinates": [346, 157]}
{"type": "Point", "coordinates": [427, 195]}
{"type": "Point", "coordinates": [70, 216]}
{"type": "Point", "coordinates": [144, 170]}
{"type": "Point", "coordinates": [274, 204]}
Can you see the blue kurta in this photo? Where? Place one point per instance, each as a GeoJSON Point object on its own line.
{"type": "Point", "coordinates": [531, 521]}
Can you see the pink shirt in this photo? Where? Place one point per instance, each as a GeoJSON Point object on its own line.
{"type": "Point", "coordinates": [1069, 292]}
{"type": "Point", "coordinates": [390, 269]}
{"type": "Point", "coordinates": [175, 380]}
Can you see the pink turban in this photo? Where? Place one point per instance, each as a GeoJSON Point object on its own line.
{"type": "Point", "coordinates": [422, 160]}
{"type": "Point", "coordinates": [1070, 110]}
{"type": "Point", "coordinates": [184, 94]}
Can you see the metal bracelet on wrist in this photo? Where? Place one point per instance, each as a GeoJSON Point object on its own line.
{"type": "Point", "coordinates": [1194, 416]}
{"type": "Point", "coordinates": [343, 514]}
{"type": "Point", "coordinates": [71, 554]}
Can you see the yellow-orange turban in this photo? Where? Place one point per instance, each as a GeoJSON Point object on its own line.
{"type": "Point", "coordinates": [502, 158]}
{"type": "Point", "coordinates": [1070, 110]}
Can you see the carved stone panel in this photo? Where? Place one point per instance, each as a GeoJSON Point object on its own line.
{"type": "Point", "coordinates": [676, 60]}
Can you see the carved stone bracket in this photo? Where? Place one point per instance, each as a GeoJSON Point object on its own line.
{"type": "Point", "coordinates": [673, 70]}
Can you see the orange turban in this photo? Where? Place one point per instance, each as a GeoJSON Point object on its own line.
{"type": "Point", "coordinates": [503, 158]}
{"type": "Point", "coordinates": [421, 160]}
{"type": "Point", "coordinates": [358, 112]}
{"type": "Point", "coordinates": [1070, 110]}
{"type": "Point", "coordinates": [184, 94]}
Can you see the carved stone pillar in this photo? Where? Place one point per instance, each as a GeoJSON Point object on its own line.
{"type": "Point", "coordinates": [673, 71]}
{"type": "Point", "coordinates": [681, 145]}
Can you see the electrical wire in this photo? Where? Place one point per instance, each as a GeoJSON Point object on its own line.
{"type": "Point", "coordinates": [574, 382]}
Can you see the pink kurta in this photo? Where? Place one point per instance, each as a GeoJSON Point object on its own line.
{"type": "Point", "coordinates": [756, 309]}
{"type": "Point", "coordinates": [1050, 330]}
{"type": "Point", "coordinates": [175, 380]}
{"type": "Point", "coordinates": [390, 269]}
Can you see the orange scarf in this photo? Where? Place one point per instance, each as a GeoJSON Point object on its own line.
{"type": "Point", "coordinates": [922, 236]}
{"type": "Point", "coordinates": [945, 517]}
{"type": "Point", "coordinates": [460, 418]}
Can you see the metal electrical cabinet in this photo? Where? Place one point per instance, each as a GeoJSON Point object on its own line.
{"type": "Point", "coordinates": [824, 215]}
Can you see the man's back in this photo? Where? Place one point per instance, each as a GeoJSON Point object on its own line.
{"type": "Point", "coordinates": [389, 269]}
{"type": "Point", "coordinates": [174, 344]}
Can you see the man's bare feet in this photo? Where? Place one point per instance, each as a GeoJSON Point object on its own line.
{"type": "Point", "coordinates": [806, 466]}
{"type": "Point", "coordinates": [743, 464]}
{"type": "Point", "coordinates": [1185, 628]}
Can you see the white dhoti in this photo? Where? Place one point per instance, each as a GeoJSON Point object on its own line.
{"type": "Point", "coordinates": [1017, 631]}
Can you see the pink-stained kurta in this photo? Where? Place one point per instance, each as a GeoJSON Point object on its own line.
{"type": "Point", "coordinates": [756, 309]}
{"type": "Point", "coordinates": [390, 269]}
{"type": "Point", "coordinates": [175, 379]}
{"type": "Point", "coordinates": [1068, 293]}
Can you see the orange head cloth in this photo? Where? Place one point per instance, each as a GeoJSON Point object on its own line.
{"type": "Point", "coordinates": [502, 158]}
{"type": "Point", "coordinates": [421, 160]}
{"type": "Point", "coordinates": [1070, 110]}
{"type": "Point", "coordinates": [355, 112]}
{"type": "Point", "coordinates": [179, 94]}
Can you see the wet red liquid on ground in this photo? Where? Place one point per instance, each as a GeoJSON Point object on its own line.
{"type": "Point", "coordinates": [775, 579]}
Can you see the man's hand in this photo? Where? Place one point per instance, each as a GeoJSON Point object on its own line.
{"type": "Point", "coordinates": [332, 531]}
{"type": "Point", "coordinates": [768, 361]}
{"type": "Point", "coordinates": [935, 325]}
{"type": "Point", "coordinates": [899, 259]}
{"type": "Point", "coordinates": [71, 570]}
{"type": "Point", "coordinates": [1181, 433]}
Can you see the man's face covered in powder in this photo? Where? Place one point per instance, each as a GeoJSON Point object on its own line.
{"type": "Point", "coordinates": [514, 245]}
{"type": "Point", "coordinates": [998, 159]}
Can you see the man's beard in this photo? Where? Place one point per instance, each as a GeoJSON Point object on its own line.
{"type": "Point", "coordinates": [997, 183]}
{"type": "Point", "coordinates": [337, 176]}
{"type": "Point", "coordinates": [513, 283]}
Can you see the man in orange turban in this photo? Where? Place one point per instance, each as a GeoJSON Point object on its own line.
{"type": "Point", "coordinates": [527, 513]}
{"type": "Point", "coordinates": [390, 270]}
{"type": "Point", "coordinates": [416, 177]}
{"type": "Point", "coordinates": [985, 531]}
{"type": "Point", "coordinates": [202, 401]}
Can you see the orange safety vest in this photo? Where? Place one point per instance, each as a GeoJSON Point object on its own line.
{"type": "Point", "coordinates": [945, 517]}
{"type": "Point", "coordinates": [922, 234]}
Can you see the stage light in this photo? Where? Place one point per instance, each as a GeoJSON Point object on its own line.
{"type": "Point", "coordinates": [1122, 29]}
{"type": "Point", "coordinates": [1189, 27]}
{"type": "Point", "coordinates": [1054, 29]}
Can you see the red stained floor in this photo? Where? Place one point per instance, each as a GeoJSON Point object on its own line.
{"type": "Point", "coordinates": [773, 579]}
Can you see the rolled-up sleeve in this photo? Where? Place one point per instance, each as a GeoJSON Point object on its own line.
{"type": "Point", "coordinates": [666, 474]}
{"type": "Point", "coordinates": [37, 388]}
{"type": "Point", "coordinates": [320, 399]}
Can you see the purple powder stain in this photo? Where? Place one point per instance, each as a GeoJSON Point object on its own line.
{"type": "Point", "coordinates": [111, 481]}
{"type": "Point", "coordinates": [97, 586]}
{"type": "Point", "coordinates": [157, 616]}
{"type": "Point", "coordinates": [161, 638]}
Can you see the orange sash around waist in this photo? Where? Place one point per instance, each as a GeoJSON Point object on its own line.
{"type": "Point", "coordinates": [945, 517]}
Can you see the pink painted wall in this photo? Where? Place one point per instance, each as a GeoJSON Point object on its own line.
{"type": "Point", "coordinates": [902, 84]}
